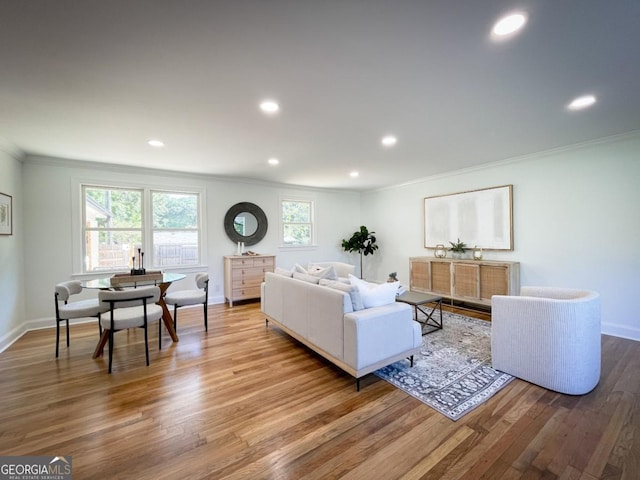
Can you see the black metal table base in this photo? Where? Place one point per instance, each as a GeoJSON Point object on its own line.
{"type": "Point", "coordinates": [429, 321]}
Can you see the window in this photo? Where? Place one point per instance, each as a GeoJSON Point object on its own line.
{"type": "Point", "coordinates": [297, 223]}
{"type": "Point", "coordinates": [175, 228]}
{"type": "Point", "coordinates": [115, 226]}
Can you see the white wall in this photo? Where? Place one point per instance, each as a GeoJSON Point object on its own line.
{"type": "Point", "coordinates": [12, 306]}
{"type": "Point", "coordinates": [576, 222]}
{"type": "Point", "coordinates": [49, 186]}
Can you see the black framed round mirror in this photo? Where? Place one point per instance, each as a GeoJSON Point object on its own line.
{"type": "Point", "coordinates": [245, 222]}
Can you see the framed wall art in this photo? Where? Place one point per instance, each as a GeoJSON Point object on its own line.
{"type": "Point", "coordinates": [6, 214]}
{"type": "Point", "coordinates": [479, 217]}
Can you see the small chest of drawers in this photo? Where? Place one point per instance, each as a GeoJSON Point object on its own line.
{"type": "Point", "coordinates": [243, 275]}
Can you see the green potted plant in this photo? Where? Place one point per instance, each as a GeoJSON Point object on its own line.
{"type": "Point", "coordinates": [458, 248]}
{"type": "Point", "coordinates": [363, 241]}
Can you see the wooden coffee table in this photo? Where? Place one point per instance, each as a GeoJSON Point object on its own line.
{"type": "Point", "coordinates": [419, 301]}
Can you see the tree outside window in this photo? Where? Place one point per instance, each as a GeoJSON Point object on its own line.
{"type": "Point", "coordinates": [297, 222]}
{"type": "Point", "coordinates": [114, 228]}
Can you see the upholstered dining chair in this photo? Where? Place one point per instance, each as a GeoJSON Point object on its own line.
{"type": "Point", "coordinates": [182, 298]}
{"type": "Point", "coordinates": [134, 308]}
{"type": "Point", "coordinates": [66, 310]}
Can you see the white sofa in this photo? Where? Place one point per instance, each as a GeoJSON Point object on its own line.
{"type": "Point", "coordinates": [548, 336]}
{"type": "Point", "coordinates": [323, 318]}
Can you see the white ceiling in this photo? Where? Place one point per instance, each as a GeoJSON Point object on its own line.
{"type": "Point", "coordinates": [95, 79]}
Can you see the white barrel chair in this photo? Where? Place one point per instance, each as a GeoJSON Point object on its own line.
{"type": "Point", "coordinates": [548, 336]}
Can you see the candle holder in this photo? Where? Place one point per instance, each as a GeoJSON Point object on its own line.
{"type": "Point", "coordinates": [140, 270]}
{"type": "Point", "coordinates": [440, 251]}
{"type": "Point", "coordinates": [477, 253]}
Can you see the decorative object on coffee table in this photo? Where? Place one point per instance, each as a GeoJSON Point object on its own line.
{"type": "Point", "coordinates": [363, 242]}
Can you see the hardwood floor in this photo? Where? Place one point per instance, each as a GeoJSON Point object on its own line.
{"type": "Point", "coordinates": [247, 402]}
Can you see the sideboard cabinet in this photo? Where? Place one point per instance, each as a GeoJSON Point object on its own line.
{"type": "Point", "coordinates": [473, 281]}
{"type": "Point", "coordinates": [243, 275]}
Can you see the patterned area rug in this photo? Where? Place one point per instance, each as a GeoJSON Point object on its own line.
{"type": "Point", "coordinates": [452, 373]}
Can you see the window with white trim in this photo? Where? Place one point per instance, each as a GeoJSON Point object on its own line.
{"type": "Point", "coordinates": [297, 223]}
{"type": "Point", "coordinates": [119, 222]}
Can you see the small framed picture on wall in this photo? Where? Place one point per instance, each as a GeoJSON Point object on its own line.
{"type": "Point", "coordinates": [6, 214]}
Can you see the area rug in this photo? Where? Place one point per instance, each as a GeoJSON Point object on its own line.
{"type": "Point", "coordinates": [452, 373]}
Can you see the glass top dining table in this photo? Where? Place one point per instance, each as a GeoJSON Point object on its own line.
{"type": "Point", "coordinates": [105, 283]}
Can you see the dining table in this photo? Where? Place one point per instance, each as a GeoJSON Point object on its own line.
{"type": "Point", "coordinates": [107, 283]}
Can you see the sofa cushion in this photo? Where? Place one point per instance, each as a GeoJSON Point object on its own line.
{"type": "Point", "coordinates": [373, 294]}
{"type": "Point", "coordinates": [354, 293]}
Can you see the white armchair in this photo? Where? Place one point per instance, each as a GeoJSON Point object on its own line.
{"type": "Point", "coordinates": [548, 336]}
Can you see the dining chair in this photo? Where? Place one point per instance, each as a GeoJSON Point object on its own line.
{"type": "Point", "coordinates": [66, 310]}
{"type": "Point", "coordinates": [182, 298]}
{"type": "Point", "coordinates": [134, 308]}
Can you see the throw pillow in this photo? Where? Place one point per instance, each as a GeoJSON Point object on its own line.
{"type": "Point", "coordinates": [283, 271]}
{"type": "Point", "coordinates": [323, 272]}
{"type": "Point", "coordinates": [373, 294]}
{"type": "Point", "coordinates": [354, 293]}
{"type": "Point", "coordinates": [305, 277]}
{"type": "Point", "coordinates": [300, 269]}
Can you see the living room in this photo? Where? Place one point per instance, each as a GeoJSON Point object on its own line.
{"type": "Point", "coordinates": [574, 202]}
{"type": "Point", "coordinates": [570, 207]}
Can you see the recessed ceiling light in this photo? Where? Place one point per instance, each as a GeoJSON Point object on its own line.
{"type": "Point", "coordinates": [156, 143]}
{"type": "Point", "coordinates": [273, 161]}
{"type": "Point", "coordinates": [354, 174]}
{"type": "Point", "coordinates": [582, 102]}
{"type": "Point", "coordinates": [389, 141]}
{"type": "Point", "coordinates": [269, 106]}
{"type": "Point", "coordinates": [509, 24]}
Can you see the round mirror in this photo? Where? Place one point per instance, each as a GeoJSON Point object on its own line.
{"type": "Point", "coordinates": [245, 222]}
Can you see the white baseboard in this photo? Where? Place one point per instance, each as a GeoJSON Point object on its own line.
{"type": "Point", "coordinates": [11, 337]}
{"type": "Point", "coordinates": [617, 330]}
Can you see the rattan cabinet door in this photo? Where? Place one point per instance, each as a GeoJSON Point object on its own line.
{"type": "Point", "coordinates": [466, 280]}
